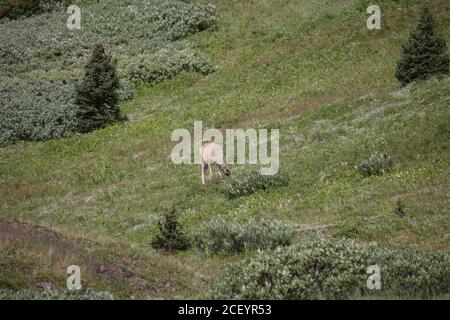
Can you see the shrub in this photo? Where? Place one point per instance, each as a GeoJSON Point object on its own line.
{"type": "Point", "coordinates": [424, 53]}
{"type": "Point", "coordinates": [253, 182]}
{"type": "Point", "coordinates": [36, 110]}
{"type": "Point", "coordinates": [377, 164]}
{"type": "Point", "coordinates": [15, 8]}
{"type": "Point", "coordinates": [333, 270]}
{"type": "Point", "coordinates": [171, 236]}
{"type": "Point", "coordinates": [219, 236]}
{"type": "Point", "coordinates": [317, 270]}
{"type": "Point", "coordinates": [50, 294]}
{"type": "Point", "coordinates": [153, 68]}
{"type": "Point", "coordinates": [399, 209]}
{"type": "Point", "coordinates": [412, 273]}
{"type": "Point", "coordinates": [97, 95]}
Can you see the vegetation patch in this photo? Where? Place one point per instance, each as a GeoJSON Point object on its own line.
{"type": "Point", "coordinates": [97, 96]}
{"type": "Point", "coordinates": [14, 9]}
{"type": "Point", "coordinates": [145, 37]}
{"type": "Point", "coordinates": [376, 165]}
{"type": "Point", "coordinates": [333, 270]}
{"type": "Point", "coordinates": [221, 237]}
{"type": "Point", "coordinates": [50, 294]}
{"type": "Point", "coordinates": [425, 53]}
{"type": "Point", "coordinates": [171, 236]}
{"type": "Point", "coordinates": [253, 181]}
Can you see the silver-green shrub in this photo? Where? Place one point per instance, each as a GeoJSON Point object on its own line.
{"type": "Point", "coordinates": [377, 165]}
{"type": "Point", "coordinates": [219, 236]}
{"type": "Point", "coordinates": [36, 110]}
{"type": "Point", "coordinates": [334, 270]}
{"type": "Point", "coordinates": [252, 182]}
{"type": "Point", "coordinates": [51, 294]}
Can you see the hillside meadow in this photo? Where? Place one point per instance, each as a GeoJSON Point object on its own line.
{"type": "Point", "coordinates": [309, 68]}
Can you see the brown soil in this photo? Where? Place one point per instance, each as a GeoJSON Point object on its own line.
{"type": "Point", "coordinates": [38, 257]}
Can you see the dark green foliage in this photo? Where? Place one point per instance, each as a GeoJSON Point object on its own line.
{"type": "Point", "coordinates": [14, 9]}
{"type": "Point", "coordinates": [97, 95]}
{"type": "Point", "coordinates": [253, 182]}
{"type": "Point", "coordinates": [333, 270]}
{"type": "Point", "coordinates": [399, 208]}
{"type": "Point", "coordinates": [425, 52]}
{"type": "Point", "coordinates": [171, 236]}
{"type": "Point", "coordinates": [376, 165]}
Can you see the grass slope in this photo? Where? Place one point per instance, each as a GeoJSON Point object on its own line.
{"type": "Point", "coordinates": [311, 69]}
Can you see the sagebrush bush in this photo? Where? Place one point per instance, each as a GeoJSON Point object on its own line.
{"type": "Point", "coordinates": [37, 110]}
{"type": "Point", "coordinates": [334, 270]}
{"type": "Point", "coordinates": [219, 236]}
{"type": "Point", "coordinates": [252, 182]}
{"type": "Point", "coordinates": [412, 273]}
{"type": "Point", "coordinates": [171, 235]}
{"type": "Point", "coordinates": [50, 294]}
{"type": "Point", "coordinates": [155, 67]}
{"type": "Point", "coordinates": [376, 165]}
{"type": "Point", "coordinates": [97, 95]}
{"type": "Point", "coordinates": [425, 52]}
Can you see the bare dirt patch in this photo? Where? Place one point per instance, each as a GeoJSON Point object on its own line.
{"type": "Point", "coordinates": [35, 257]}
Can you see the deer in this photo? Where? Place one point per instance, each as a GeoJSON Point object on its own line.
{"type": "Point", "coordinates": [211, 154]}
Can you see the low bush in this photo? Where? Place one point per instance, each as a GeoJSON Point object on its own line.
{"type": "Point", "coordinates": [376, 165]}
{"type": "Point", "coordinates": [50, 294]}
{"type": "Point", "coordinates": [221, 237]}
{"type": "Point", "coordinates": [14, 9]}
{"type": "Point", "coordinates": [37, 110]}
{"type": "Point", "coordinates": [253, 182]}
{"type": "Point", "coordinates": [411, 273]}
{"type": "Point", "coordinates": [333, 270]}
{"type": "Point", "coordinates": [155, 67]}
{"type": "Point", "coordinates": [399, 209]}
{"type": "Point", "coordinates": [171, 236]}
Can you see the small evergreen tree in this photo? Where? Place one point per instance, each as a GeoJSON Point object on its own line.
{"type": "Point", "coordinates": [97, 95]}
{"type": "Point", "coordinates": [399, 209]}
{"type": "Point", "coordinates": [171, 236]}
{"type": "Point", "coordinates": [424, 53]}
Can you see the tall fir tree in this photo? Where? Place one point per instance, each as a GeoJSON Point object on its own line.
{"type": "Point", "coordinates": [425, 52]}
{"type": "Point", "coordinates": [97, 96]}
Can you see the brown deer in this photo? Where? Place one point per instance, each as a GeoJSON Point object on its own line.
{"type": "Point", "coordinates": [211, 154]}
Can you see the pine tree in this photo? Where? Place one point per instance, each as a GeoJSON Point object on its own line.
{"type": "Point", "coordinates": [97, 96]}
{"type": "Point", "coordinates": [171, 236]}
{"type": "Point", "coordinates": [425, 52]}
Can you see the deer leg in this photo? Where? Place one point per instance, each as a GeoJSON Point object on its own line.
{"type": "Point", "coordinates": [210, 173]}
{"type": "Point", "coordinates": [202, 167]}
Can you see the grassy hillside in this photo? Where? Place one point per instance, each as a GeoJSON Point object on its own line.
{"type": "Point", "coordinates": [310, 68]}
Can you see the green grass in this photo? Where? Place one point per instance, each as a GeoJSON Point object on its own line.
{"type": "Point", "coordinates": [312, 70]}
